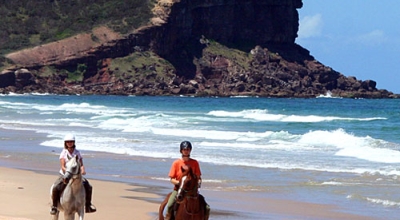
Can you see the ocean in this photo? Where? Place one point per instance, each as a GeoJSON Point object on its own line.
{"type": "Point", "coordinates": [335, 151]}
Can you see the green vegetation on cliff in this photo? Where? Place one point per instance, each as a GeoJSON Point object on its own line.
{"type": "Point", "coordinates": [139, 65]}
{"type": "Point", "coordinates": [28, 23]}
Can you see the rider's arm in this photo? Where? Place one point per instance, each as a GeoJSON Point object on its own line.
{"type": "Point", "coordinates": [200, 181]}
{"type": "Point", "coordinates": [62, 163]}
{"type": "Point", "coordinates": [83, 171]}
{"type": "Point", "coordinates": [174, 181]}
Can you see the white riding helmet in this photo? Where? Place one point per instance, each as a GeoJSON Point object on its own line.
{"type": "Point", "coordinates": [69, 137]}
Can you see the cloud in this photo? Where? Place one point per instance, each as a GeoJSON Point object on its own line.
{"type": "Point", "coordinates": [310, 26]}
{"type": "Point", "coordinates": [373, 38]}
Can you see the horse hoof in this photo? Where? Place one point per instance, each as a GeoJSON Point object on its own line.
{"type": "Point", "coordinates": [53, 210]}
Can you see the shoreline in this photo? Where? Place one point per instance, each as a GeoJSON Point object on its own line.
{"type": "Point", "coordinates": [25, 190]}
{"type": "Point", "coordinates": [25, 196]}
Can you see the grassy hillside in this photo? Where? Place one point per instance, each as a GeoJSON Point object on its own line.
{"type": "Point", "coordinates": [28, 23]}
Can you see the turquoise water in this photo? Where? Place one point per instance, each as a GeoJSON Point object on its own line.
{"type": "Point", "coordinates": [336, 151]}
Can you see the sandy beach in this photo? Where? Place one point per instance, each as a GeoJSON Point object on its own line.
{"type": "Point", "coordinates": [25, 196]}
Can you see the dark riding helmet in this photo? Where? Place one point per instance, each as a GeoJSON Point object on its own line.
{"type": "Point", "coordinates": [185, 145]}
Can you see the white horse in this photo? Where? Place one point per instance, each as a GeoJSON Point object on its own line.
{"type": "Point", "coordinates": [72, 199]}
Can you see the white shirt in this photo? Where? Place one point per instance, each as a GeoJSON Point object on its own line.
{"type": "Point", "coordinates": [67, 155]}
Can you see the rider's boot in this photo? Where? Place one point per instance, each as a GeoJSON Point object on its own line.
{"type": "Point", "coordinates": [207, 212]}
{"type": "Point", "coordinates": [207, 207]}
{"type": "Point", "coordinates": [89, 208]}
{"type": "Point", "coordinates": [168, 215]}
{"type": "Point", "coordinates": [55, 196]}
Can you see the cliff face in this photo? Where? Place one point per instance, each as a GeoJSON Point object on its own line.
{"type": "Point", "coordinates": [228, 22]}
{"type": "Point", "coordinates": [190, 47]}
{"type": "Point", "coordinates": [177, 24]}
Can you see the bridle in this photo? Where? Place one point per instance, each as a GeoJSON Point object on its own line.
{"type": "Point", "coordinates": [192, 193]}
{"type": "Point", "coordinates": [74, 172]}
{"type": "Point", "coordinates": [182, 193]}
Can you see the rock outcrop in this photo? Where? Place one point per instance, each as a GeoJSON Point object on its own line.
{"type": "Point", "coordinates": [189, 47]}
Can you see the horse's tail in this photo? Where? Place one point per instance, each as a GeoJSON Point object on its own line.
{"type": "Point", "coordinates": [162, 207]}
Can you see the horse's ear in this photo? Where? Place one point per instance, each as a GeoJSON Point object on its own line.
{"type": "Point", "coordinates": [69, 158]}
{"type": "Point", "coordinates": [190, 170]}
{"type": "Point", "coordinates": [185, 168]}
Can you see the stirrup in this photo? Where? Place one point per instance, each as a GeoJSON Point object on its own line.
{"type": "Point", "coordinates": [90, 209]}
{"type": "Point", "coordinates": [53, 210]}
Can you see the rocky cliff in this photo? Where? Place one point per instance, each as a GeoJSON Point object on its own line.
{"type": "Point", "coordinates": [189, 47]}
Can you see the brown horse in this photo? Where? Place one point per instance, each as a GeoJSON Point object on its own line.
{"type": "Point", "coordinates": [190, 205]}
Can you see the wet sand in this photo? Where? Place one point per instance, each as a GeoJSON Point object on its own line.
{"type": "Point", "coordinates": [25, 196]}
{"type": "Point", "coordinates": [25, 192]}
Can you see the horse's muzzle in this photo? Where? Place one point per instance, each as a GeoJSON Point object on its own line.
{"type": "Point", "coordinates": [67, 176]}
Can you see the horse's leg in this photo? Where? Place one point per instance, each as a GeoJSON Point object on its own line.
{"type": "Point", "coordinates": [81, 209]}
{"type": "Point", "coordinates": [81, 213]}
{"type": "Point", "coordinates": [55, 217]}
{"type": "Point", "coordinates": [162, 207]}
{"type": "Point", "coordinates": [51, 200]}
{"type": "Point", "coordinates": [69, 215]}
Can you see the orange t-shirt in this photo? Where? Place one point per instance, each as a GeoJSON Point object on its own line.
{"type": "Point", "coordinates": [176, 171]}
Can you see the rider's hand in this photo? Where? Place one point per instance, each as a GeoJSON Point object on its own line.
{"type": "Point", "coordinates": [174, 181]}
{"type": "Point", "coordinates": [65, 181]}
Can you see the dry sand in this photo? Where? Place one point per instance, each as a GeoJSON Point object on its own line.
{"type": "Point", "coordinates": [25, 195]}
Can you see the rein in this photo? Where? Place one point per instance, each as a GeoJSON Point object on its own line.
{"type": "Point", "coordinates": [195, 190]}
{"type": "Point", "coordinates": [73, 175]}
{"type": "Point", "coordinates": [189, 197]}
{"type": "Point", "coordinates": [190, 213]}
{"type": "Point", "coordinates": [190, 193]}
{"type": "Point", "coordinates": [185, 201]}
{"type": "Point", "coordinates": [185, 205]}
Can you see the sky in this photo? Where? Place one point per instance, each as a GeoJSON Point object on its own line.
{"type": "Point", "coordinates": [359, 38]}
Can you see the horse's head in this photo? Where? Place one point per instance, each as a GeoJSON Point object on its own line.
{"type": "Point", "coordinates": [72, 168]}
{"type": "Point", "coordinates": [188, 185]}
